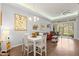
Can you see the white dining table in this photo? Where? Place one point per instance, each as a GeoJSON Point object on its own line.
{"type": "Point", "coordinates": [34, 40]}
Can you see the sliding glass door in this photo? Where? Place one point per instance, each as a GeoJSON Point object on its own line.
{"type": "Point", "coordinates": [65, 28]}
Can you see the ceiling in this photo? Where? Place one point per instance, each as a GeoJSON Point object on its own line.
{"type": "Point", "coordinates": [53, 10]}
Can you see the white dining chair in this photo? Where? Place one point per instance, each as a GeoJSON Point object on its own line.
{"type": "Point", "coordinates": [41, 45]}
{"type": "Point", "coordinates": [27, 45]}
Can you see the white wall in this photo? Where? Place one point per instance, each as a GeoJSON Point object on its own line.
{"type": "Point", "coordinates": [8, 13]}
{"type": "Point", "coordinates": [0, 18]}
{"type": "Point", "coordinates": [76, 28]}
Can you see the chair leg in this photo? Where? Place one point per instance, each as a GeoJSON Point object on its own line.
{"type": "Point", "coordinates": [22, 48]}
{"type": "Point", "coordinates": [41, 52]}
{"type": "Point", "coordinates": [45, 51]}
{"type": "Point", "coordinates": [27, 53]}
{"type": "Point", "coordinates": [24, 52]}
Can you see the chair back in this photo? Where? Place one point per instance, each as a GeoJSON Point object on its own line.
{"type": "Point", "coordinates": [44, 37]}
{"type": "Point", "coordinates": [25, 39]}
{"type": "Point", "coordinates": [43, 40]}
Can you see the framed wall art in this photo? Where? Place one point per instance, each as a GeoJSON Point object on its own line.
{"type": "Point", "coordinates": [35, 26]}
{"type": "Point", "coordinates": [42, 26]}
{"type": "Point", "coordinates": [20, 22]}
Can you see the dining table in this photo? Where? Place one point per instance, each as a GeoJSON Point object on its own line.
{"type": "Point", "coordinates": [34, 40]}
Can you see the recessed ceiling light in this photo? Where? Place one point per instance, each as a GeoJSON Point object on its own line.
{"type": "Point", "coordinates": [30, 18]}
{"type": "Point", "coordinates": [34, 17]}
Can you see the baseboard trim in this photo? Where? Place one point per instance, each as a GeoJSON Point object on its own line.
{"type": "Point", "coordinates": [16, 46]}
{"type": "Point", "coordinates": [12, 47]}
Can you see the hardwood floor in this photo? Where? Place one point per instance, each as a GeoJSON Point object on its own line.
{"type": "Point", "coordinates": [64, 47]}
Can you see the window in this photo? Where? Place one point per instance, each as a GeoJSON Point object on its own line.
{"type": "Point", "coordinates": [65, 28]}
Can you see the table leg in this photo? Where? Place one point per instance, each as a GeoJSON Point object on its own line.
{"type": "Point", "coordinates": [34, 49]}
